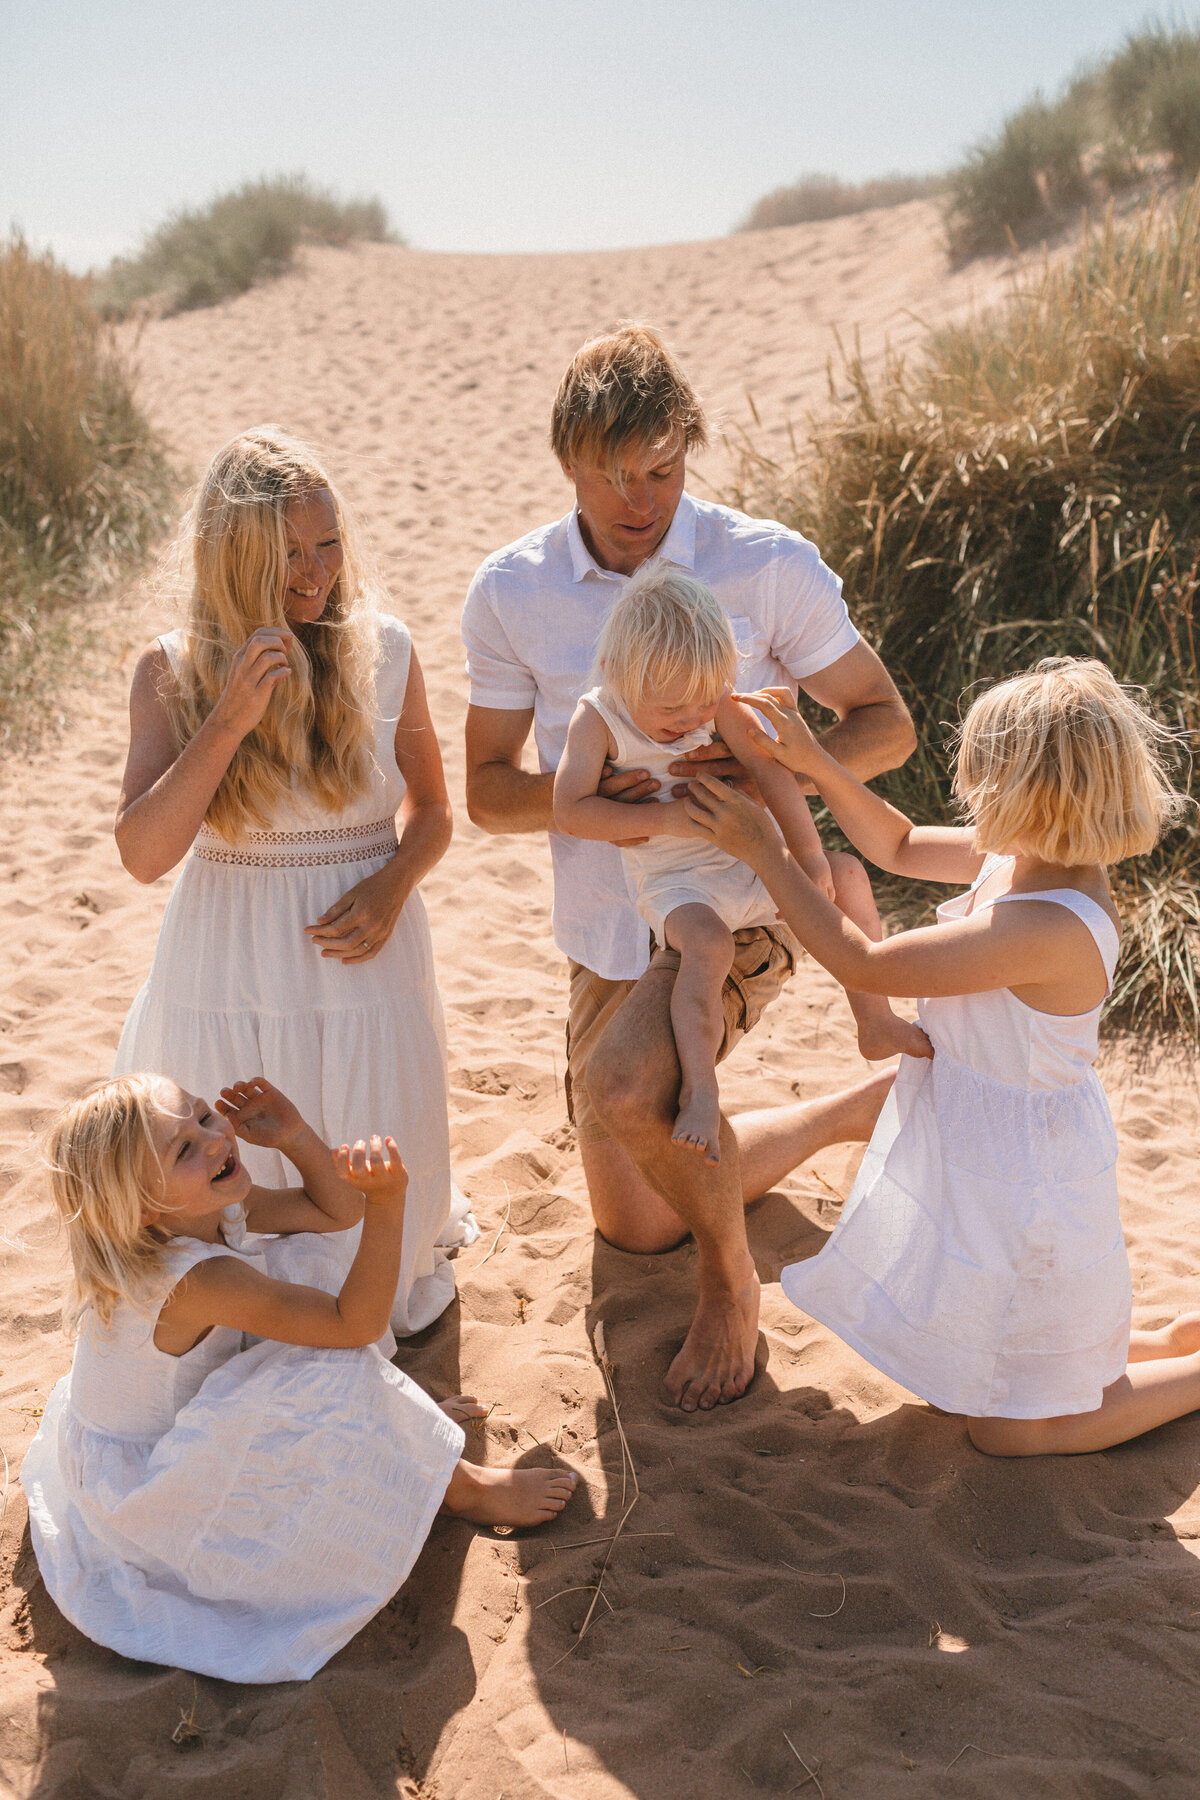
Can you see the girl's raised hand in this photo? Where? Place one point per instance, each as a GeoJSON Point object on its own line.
{"type": "Point", "coordinates": [254, 674]}
{"type": "Point", "coordinates": [376, 1172]}
{"type": "Point", "coordinates": [260, 1114]}
{"type": "Point", "coordinates": [795, 747]}
{"type": "Point", "coordinates": [729, 820]}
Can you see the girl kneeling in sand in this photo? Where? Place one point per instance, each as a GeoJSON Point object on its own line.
{"type": "Point", "coordinates": [979, 1259]}
{"type": "Point", "coordinates": [666, 662]}
{"type": "Point", "coordinates": [238, 1512]}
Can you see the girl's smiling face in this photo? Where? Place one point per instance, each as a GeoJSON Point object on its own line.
{"type": "Point", "coordinates": [201, 1170]}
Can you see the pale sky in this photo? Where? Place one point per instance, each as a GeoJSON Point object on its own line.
{"type": "Point", "coordinates": [506, 125]}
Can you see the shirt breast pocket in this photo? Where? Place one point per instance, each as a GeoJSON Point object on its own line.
{"type": "Point", "coordinates": [755, 665]}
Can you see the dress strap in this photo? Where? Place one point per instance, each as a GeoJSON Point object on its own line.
{"type": "Point", "coordinates": [1089, 912]}
{"type": "Point", "coordinates": [171, 643]}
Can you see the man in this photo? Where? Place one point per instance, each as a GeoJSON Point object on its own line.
{"type": "Point", "coordinates": [624, 420]}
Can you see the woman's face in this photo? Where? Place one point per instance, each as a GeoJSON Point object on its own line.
{"type": "Point", "coordinates": [315, 555]}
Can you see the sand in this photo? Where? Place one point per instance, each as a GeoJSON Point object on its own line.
{"type": "Point", "coordinates": [824, 1578]}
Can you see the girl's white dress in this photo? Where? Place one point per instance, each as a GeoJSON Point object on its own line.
{"type": "Point", "coordinates": [236, 989]}
{"type": "Point", "coordinates": [666, 872]}
{"type": "Point", "coordinates": [237, 1512]}
{"type": "Point", "coordinates": [979, 1260]}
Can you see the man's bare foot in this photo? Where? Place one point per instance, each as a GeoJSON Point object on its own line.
{"type": "Point", "coordinates": [889, 1035]}
{"type": "Point", "coordinates": [508, 1496]}
{"type": "Point", "coordinates": [461, 1407]}
{"type": "Point", "coordinates": [716, 1363]}
{"type": "Point", "coordinates": [1180, 1338]}
{"type": "Point", "coordinates": [698, 1122]}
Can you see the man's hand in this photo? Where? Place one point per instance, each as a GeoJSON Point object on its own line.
{"type": "Point", "coordinates": [261, 1115]}
{"type": "Point", "coordinates": [718, 761]}
{"type": "Point", "coordinates": [630, 787]}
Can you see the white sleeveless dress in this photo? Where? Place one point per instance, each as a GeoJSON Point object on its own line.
{"type": "Point", "coordinates": [667, 872]}
{"type": "Point", "coordinates": [236, 989]}
{"type": "Point", "coordinates": [979, 1260]}
{"type": "Point", "coordinates": [237, 1512]}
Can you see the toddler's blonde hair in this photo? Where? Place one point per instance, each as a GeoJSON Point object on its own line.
{"type": "Point", "coordinates": [666, 630]}
{"type": "Point", "coordinates": [1065, 764]}
{"type": "Point", "coordinates": [104, 1176]}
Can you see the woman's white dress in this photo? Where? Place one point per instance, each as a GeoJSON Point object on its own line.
{"type": "Point", "coordinates": [979, 1260]}
{"type": "Point", "coordinates": [237, 1512]}
{"type": "Point", "coordinates": [236, 989]}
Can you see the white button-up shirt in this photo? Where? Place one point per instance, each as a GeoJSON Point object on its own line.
{"type": "Point", "coordinates": [533, 616]}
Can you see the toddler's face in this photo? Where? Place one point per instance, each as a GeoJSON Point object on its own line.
{"type": "Point", "coordinates": [665, 713]}
{"type": "Point", "coordinates": [202, 1171]}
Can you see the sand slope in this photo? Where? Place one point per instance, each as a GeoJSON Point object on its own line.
{"type": "Point", "coordinates": [827, 1562]}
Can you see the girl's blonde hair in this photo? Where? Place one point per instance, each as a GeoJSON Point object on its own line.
{"type": "Point", "coordinates": [1064, 764]}
{"type": "Point", "coordinates": [319, 723]}
{"type": "Point", "coordinates": [666, 630]}
{"type": "Point", "coordinates": [105, 1176]}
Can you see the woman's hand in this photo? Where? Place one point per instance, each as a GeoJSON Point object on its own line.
{"type": "Point", "coordinates": [254, 674]}
{"type": "Point", "coordinates": [729, 820]}
{"type": "Point", "coordinates": [378, 1172]}
{"type": "Point", "coordinates": [356, 927]}
{"type": "Point", "coordinates": [260, 1114]}
{"type": "Point", "coordinates": [795, 747]}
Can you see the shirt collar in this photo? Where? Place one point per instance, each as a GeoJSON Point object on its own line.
{"type": "Point", "coordinates": [679, 545]}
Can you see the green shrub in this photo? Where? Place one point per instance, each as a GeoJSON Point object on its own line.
{"type": "Point", "coordinates": [83, 482]}
{"type": "Point", "coordinates": [816, 197]}
{"type": "Point", "coordinates": [197, 258]}
{"type": "Point", "coordinates": [1018, 184]}
{"type": "Point", "coordinates": [1028, 489]}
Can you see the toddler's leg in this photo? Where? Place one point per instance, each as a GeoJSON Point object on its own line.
{"type": "Point", "coordinates": [880, 1031]}
{"type": "Point", "coordinates": [706, 948]}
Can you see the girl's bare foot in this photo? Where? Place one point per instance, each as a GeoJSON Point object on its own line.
{"type": "Point", "coordinates": [1180, 1338]}
{"type": "Point", "coordinates": [461, 1407]}
{"type": "Point", "coordinates": [698, 1122]}
{"type": "Point", "coordinates": [889, 1035]}
{"type": "Point", "coordinates": [508, 1496]}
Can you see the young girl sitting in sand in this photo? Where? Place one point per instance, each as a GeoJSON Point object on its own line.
{"type": "Point", "coordinates": [238, 1512]}
{"type": "Point", "coordinates": [666, 663]}
{"type": "Point", "coordinates": [979, 1259]}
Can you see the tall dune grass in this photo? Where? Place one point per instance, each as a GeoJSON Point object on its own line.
{"type": "Point", "coordinates": [198, 257]}
{"type": "Point", "coordinates": [83, 481]}
{"type": "Point", "coordinates": [816, 197]}
{"type": "Point", "coordinates": [1031, 487]}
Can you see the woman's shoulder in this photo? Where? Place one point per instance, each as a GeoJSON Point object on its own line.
{"type": "Point", "coordinates": [172, 645]}
{"type": "Point", "coordinates": [395, 655]}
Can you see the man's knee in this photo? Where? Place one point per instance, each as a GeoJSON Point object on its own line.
{"type": "Point", "coordinates": [619, 1088]}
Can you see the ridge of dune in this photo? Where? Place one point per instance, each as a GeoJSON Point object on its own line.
{"type": "Point", "coordinates": [826, 1562]}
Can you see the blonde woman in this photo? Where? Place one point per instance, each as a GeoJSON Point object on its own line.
{"type": "Point", "coordinates": [283, 737]}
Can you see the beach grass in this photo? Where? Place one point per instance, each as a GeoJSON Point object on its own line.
{"type": "Point", "coordinates": [84, 483]}
{"type": "Point", "coordinates": [1027, 487]}
{"type": "Point", "coordinates": [816, 197]}
{"type": "Point", "coordinates": [197, 257]}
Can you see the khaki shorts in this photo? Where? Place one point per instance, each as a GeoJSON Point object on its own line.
{"type": "Point", "coordinates": [763, 962]}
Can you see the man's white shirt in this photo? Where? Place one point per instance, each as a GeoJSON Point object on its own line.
{"type": "Point", "coordinates": [533, 616]}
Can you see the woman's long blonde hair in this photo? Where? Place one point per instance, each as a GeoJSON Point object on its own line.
{"type": "Point", "coordinates": [319, 723]}
{"type": "Point", "coordinates": [105, 1177]}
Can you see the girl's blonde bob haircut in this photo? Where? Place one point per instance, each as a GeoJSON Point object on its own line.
{"type": "Point", "coordinates": [1064, 764]}
{"type": "Point", "coordinates": [318, 725]}
{"type": "Point", "coordinates": [105, 1177]}
{"type": "Point", "coordinates": [667, 631]}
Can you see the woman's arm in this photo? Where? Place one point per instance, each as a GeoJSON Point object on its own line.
{"type": "Point", "coordinates": [226, 1291]}
{"type": "Point", "coordinates": [166, 792]}
{"type": "Point", "coordinates": [366, 914]}
{"type": "Point", "coordinates": [579, 811]}
{"type": "Point", "coordinates": [879, 830]}
{"type": "Point", "coordinates": [1004, 946]}
{"type": "Point", "coordinates": [261, 1115]}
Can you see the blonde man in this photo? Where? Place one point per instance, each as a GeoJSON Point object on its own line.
{"type": "Point", "coordinates": [624, 419]}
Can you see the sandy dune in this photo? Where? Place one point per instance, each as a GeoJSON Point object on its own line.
{"type": "Point", "coordinates": [826, 1571]}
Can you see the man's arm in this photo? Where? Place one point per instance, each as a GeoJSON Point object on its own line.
{"type": "Point", "coordinates": [502, 796]}
{"type": "Point", "coordinates": [874, 731]}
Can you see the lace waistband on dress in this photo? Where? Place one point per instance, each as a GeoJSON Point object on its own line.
{"type": "Point", "coordinates": [300, 849]}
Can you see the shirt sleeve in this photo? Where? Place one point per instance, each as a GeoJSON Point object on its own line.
{"type": "Point", "coordinates": [498, 677]}
{"type": "Point", "coordinates": [812, 627]}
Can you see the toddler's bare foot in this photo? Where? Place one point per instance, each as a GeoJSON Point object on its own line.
{"type": "Point", "coordinates": [1180, 1338]}
{"type": "Point", "coordinates": [508, 1496]}
{"type": "Point", "coordinates": [698, 1123]}
{"type": "Point", "coordinates": [461, 1407]}
{"type": "Point", "coordinates": [889, 1035]}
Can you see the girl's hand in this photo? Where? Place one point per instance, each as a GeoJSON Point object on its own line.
{"type": "Point", "coordinates": [356, 927]}
{"type": "Point", "coordinates": [260, 1114]}
{"type": "Point", "coordinates": [727, 819]}
{"type": "Point", "coordinates": [378, 1172]}
{"type": "Point", "coordinates": [256, 671]}
{"type": "Point", "coordinates": [795, 747]}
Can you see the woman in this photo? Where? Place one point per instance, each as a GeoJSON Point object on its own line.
{"type": "Point", "coordinates": [282, 735]}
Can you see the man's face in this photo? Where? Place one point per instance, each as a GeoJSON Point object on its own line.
{"type": "Point", "coordinates": [624, 516]}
